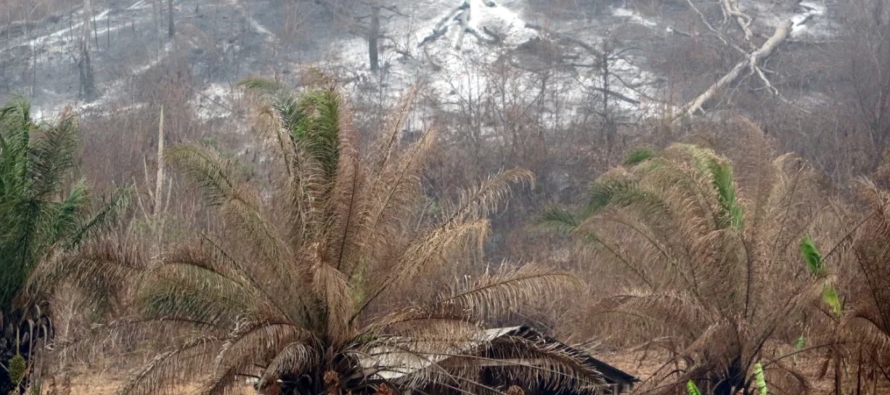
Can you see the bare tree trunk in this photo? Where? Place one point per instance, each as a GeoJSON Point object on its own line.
{"type": "Point", "coordinates": [87, 84]}
{"type": "Point", "coordinates": [159, 204]}
{"type": "Point", "coordinates": [749, 62]}
{"type": "Point", "coordinates": [170, 30]}
{"type": "Point", "coordinates": [373, 35]}
{"type": "Point", "coordinates": [156, 10]}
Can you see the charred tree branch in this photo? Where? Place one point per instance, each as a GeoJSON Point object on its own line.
{"type": "Point", "coordinates": [750, 62]}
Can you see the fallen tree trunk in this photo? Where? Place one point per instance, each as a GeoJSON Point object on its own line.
{"type": "Point", "coordinates": [749, 62]}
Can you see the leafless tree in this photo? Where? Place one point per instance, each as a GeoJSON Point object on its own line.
{"type": "Point", "coordinates": [363, 18]}
{"type": "Point", "coordinates": [170, 29]}
{"type": "Point", "coordinates": [87, 83]}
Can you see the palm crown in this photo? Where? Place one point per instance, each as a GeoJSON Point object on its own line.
{"type": "Point", "coordinates": [45, 211]}
{"type": "Point", "coordinates": [703, 252]}
{"type": "Point", "coordinates": [301, 282]}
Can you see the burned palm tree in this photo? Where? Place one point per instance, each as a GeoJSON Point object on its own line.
{"type": "Point", "coordinates": [705, 251]}
{"type": "Point", "coordinates": [865, 326]}
{"type": "Point", "coordinates": [299, 285]}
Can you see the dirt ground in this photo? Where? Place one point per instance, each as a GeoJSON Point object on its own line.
{"type": "Point", "coordinates": [107, 383]}
{"type": "Point", "coordinates": [105, 380]}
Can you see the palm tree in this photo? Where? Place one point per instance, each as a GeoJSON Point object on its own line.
{"type": "Point", "coordinates": [305, 279]}
{"type": "Point", "coordinates": [714, 263]}
{"type": "Point", "coordinates": [866, 324]}
{"type": "Point", "coordinates": [44, 211]}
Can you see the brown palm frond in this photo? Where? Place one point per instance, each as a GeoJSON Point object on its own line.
{"type": "Point", "coordinates": [430, 321]}
{"type": "Point", "coordinates": [174, 367]}
{"type": "Point", "coordinates": [392, 192]}
{"type": "Point", "coordinates": [439, 245]}
{"type": "Point", "coordinates": [675, 312]}
{"type": "Point", "coordinates": [482, 199]}
{"type": "Point", "coordinates": [532, 361]}
{"type": "Point", "coordinates": [207, 254]}
{"type": "Point", "coordinates": [783, 379]}
{"type": "Point", "coordinates": [305, 181]}
{"type": "Point", "coordinates": [867, 322]}
{"type": "Point", "coordinates": [215, 176]}
{"type": "Point", "coordinates": [535, 362]}
{"type": "Point", "coordinates": [200, 293]}
{"type": "Point", "coordinates": [345, 205]}
{"type": "Point", "coordinates": [255, 344]}
{"type": "Point", "coordinates": [507, 290]}
{"type": "Point", "coordinates": [385, 148]}
{"type": "Point", "coordinates": [864, 325]}
{"type": "Point", "coordinates": [101, 269]}
{"type": "Point", "coordinates": [332, 286]}
{"type": "Point", "coordinates": [295, 357]}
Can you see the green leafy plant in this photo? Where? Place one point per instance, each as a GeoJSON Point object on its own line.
{"type": "Point", "coordinates": [18, 368]}
{"type": "Point", "coordinates": [816, 267]}
{"type": "Point", "coordinates": [760, 379]}
{"type": "Point", "coordinates": [691, 388]}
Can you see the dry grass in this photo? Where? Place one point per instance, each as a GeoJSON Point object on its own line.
{"type": "Point", "coordinates": [645, 364]}
{"type": "Point", "coordinates": [20, 11]}
{"type": "Point", "coordinates": [109, 383]}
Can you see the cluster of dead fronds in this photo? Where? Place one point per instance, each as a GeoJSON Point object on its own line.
{"type": "Point", "coordinates": [710, 260]}
{"type": "Point", "coordinates": [297, 283]}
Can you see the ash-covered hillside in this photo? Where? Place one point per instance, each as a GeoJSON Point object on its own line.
{"type": "Point", "coordinates": [621, 49]}
{"type": "Point", "coordinates": [576, 75]}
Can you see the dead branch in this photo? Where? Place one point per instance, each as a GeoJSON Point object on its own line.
{"type": "Point", "coordinates": [562, 37]}
{"type": "Point", "coordinates": [731, 10]}
{"type": "Point", "coordinates": [750, 62]}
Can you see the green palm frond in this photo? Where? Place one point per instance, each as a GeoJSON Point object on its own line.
{"type": "Point", "coordinates": [559, 219]}
{"type": "Point", "coordinates": [53, 156]}
{"type": "Point", "coordinates": [691, 388]}
{"type": "Point", "coordinates": [721, 172]}
{"type": "Point", "coordinates": [619, 192]}
{"type": "Point", "coordinates": [760, 379]}
{"type": "Point", "coordinates": [111, 209]}
{"type": "Point", "coordinates": [638, 156]}
{"type": "Point", "coordinates": [262, 85]}
{"type": "Point", "coordinates": [37, 166]}
{"type": "Point", "coordinates": [812, 257]}
{"type": "Point", "coordinates": [214, 174]}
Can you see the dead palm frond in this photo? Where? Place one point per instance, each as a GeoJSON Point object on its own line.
{"type": "Point", "coordinates": [866, 323]}
{"type": "Point", "coordinates": [705, 252]}
{"type": "Point", "coordinates": [299, 282]}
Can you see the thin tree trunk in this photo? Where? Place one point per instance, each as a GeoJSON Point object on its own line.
{"type": "Point", "coordinates": [87, 84]}
{"type": "Point", "coordinates": [159, 203]}
{"type": "Point", "coordinates": [373, 35]}
{"type": "Point", "coordinates": [170, 29]}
